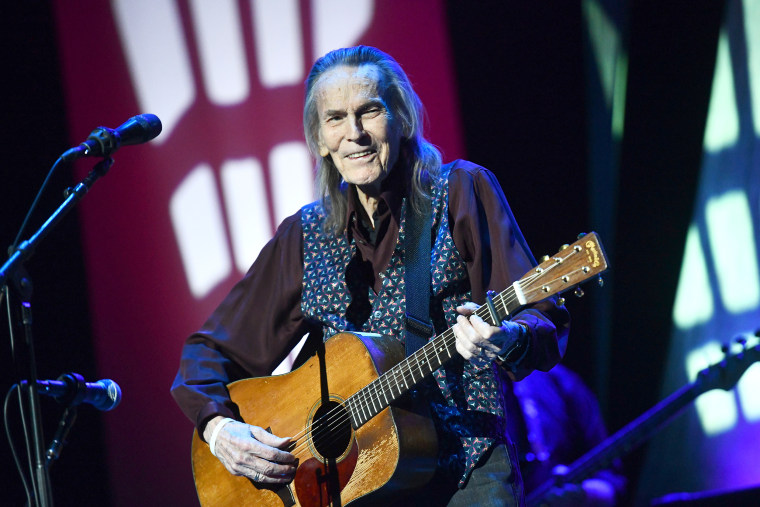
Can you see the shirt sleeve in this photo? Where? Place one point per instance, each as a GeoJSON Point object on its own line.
{"type": "Point", "coordinates": [489, 240]}
{"type": "Point", "coordinates": [249, 333]}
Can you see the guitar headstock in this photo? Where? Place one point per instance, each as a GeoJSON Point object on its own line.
{"type": "Point", "coordinates": [572, 265]}
{"type": "Point", "coordinates": [725, 374]}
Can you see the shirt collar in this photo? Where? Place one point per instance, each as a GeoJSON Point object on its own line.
{"type": "Point", "coordinates": [392, 193]}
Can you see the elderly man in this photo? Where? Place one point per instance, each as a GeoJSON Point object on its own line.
{"type": "Point", "coordinates": [339, 265]}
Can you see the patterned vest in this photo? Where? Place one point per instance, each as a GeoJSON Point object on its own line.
{"type": "Point", "coordinates": [467, 404]}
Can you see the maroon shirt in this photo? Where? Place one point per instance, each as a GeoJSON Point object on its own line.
{"type": "Point", "coordinates": [260, 320]}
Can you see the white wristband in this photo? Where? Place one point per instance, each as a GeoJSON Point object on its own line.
{"type": "Point", "coordinates": [215, 433]}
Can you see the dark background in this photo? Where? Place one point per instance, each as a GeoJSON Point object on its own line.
{"type": "Point", "coordinates": [521, 75]}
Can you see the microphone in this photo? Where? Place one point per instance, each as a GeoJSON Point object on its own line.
{"type": "Point", "coordinates": [71, 389]}
{"type": "Point", "coordinates": [102, 141]}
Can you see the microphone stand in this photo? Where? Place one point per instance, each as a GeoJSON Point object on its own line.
{"type": "Point", "coordinates": [73, 196]}
{"type": "Point", "coordinates": [17, 284]}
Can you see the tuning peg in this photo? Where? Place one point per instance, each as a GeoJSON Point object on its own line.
{"type": "Point", "coordinates": [560, 301]}
{"type": "Point", "coordinates": [600, 281]}
{"type": "Point", "coordinates": [544, 258]}
{"type": "Point", "coordinates": [578, 292]}
{"type": "Point", "coordinates": [565, 246]}
{"type": "Point", "coordinates": [581, 235]}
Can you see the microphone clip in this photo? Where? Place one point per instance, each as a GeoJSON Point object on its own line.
{"type": "Point", "coordinates": [101, 142]}
{"type": "Point", "coordinates": [76, 389]}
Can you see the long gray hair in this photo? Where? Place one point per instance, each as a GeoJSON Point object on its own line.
{"type": "Point", "coordinates": [421, 156]}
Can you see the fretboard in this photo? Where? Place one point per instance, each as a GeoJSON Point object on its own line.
{"type": "Point", "coordinates": [570, 266]}
{"type": "Point", "coordinates": [378, 394]}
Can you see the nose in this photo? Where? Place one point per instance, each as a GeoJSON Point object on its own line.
{"type": "Point", "coordinates": [355, 128]}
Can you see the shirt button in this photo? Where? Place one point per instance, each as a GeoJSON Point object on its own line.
{"type": "Point", "coordinates": [378, 314]}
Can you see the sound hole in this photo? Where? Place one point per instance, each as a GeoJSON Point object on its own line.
{"type": "Point", "coordinates": [331, 430]}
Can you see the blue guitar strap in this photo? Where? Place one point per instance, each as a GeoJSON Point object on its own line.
{"type": "Point", "coordinates": [418, 245]}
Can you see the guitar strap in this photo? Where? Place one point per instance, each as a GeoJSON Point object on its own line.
{"type": "Point", "coordinates": [418, 245]}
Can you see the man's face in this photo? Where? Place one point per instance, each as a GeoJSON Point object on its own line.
{"type": "Point", "coordinates": [356, 127]}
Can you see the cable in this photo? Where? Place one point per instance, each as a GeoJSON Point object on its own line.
{"type": "Point", "coordinates": [21, 405]}
{"type": "Point", "coordinates": [8, 435]}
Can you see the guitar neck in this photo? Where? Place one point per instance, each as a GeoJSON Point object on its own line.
{"type": "Point", "coordinates": [573, 264]}
{"type": "Point", "coordinates": [621, 443]}
{"type": "Point", "coordinates": [403, 377]}
{"type": "Point", "coordinates": [722, 375]}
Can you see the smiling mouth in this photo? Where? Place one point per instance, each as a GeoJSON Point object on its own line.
{"type": "Point", "coordinates": [361, 154]}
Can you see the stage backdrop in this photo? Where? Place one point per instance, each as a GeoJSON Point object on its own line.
{"type": "Point", "coordinates": [177, 221]}
{"type": "Point", "coordinates": [715, 445]}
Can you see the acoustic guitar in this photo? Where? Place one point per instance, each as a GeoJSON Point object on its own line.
{"type": "Point", "coordinates": [723, 375]}
{"type": "Point", "coordinates": [353, 443]}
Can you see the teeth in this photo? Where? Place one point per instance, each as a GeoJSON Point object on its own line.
{"type": "Point", "coordinates": [360, 154]}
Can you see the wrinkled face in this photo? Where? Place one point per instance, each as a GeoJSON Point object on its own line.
{"type": "Point", "coordinates": [356, 127]}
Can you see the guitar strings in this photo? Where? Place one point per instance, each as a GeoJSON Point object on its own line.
{"type": "Point", "coordinates": [324, 434]}
{"type": "Point", "coordinates": [404, 370]}
{"type": "Point", "coordinates": [341, 415]}
{"type": "Point", "coordinates": [364, 399]}
{"type": "Point", "coordinates": [358, 403]}
{"type": "Point", "coordinates": [361, 403]}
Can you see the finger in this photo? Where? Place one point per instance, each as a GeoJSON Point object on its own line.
{"type": "Point", "coordinates": [261, 478]}
{"type": "Point", "coordinates": [256, 476]}
{"type": "Point", "coordinates": [469, 332]}
{"type": "Point", "coordinates": [277, 472]}
{"type": "Point", "coordinates": [463, 350]}
{"type": "Point", "coordinates": [464, 344]}
{"type": "Point", "coordinates": [270, 446]}
{"type": "Point", "coordinates": [467, 309]}
{"type": "Point", "coordinates": [267, 438]}
{"type": "Point", "coordinates": [488, 336]}
{"type": "Point", "coordinates": [482, 328]}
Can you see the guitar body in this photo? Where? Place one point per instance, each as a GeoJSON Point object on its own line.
{"type": "Point", "coordinates": [394, 450]}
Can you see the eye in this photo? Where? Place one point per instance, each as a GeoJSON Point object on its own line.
{"type": "Point", "coordinates": [373, 111]}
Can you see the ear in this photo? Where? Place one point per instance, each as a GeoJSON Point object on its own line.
{"type": "Point", "coordinates": [323, 151]}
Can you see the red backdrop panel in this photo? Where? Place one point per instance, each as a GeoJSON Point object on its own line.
{"type": "Point", "coordinates": [142, 306]}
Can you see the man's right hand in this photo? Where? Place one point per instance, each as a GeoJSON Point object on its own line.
{"type": "Point", "coordinates": [252, 452]}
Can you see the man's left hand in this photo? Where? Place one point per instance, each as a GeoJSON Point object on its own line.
{"type": "Point", "coordinates": [477, 338]}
